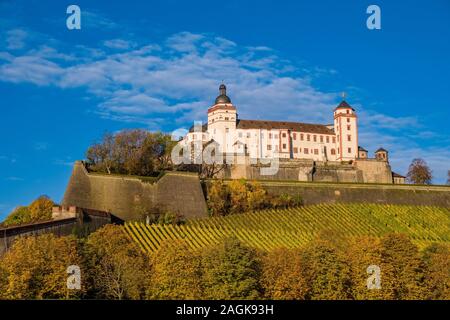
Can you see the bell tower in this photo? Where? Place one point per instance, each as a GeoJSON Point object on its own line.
{"type": "Point", "coordinates": [222, 117]}
{"type": "Point", "coordinates": [346, 129]}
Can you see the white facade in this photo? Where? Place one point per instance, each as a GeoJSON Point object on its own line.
{"type": "Point", "coordinates": [268, 139]}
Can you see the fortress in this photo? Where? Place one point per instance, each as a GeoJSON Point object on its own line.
{"type": "Point", "coordinates": [303, 151]}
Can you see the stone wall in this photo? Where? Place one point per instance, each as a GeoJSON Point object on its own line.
{"type": "Point", "coordinates": [359, 171]}
{"type": "Point", "coordinates": [129, 197]}
{"type": "Point", "coordinates": [315, 193]}
{"type": "Point", "coordinates": [82, 224]}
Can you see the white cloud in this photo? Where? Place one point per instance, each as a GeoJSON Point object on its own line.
{"type": "Point", "coordinates": [178, 79]}
{"type": "Point", "coordinates": [15, 39]}
{"type": "Point", "coordinates": [119, 44]}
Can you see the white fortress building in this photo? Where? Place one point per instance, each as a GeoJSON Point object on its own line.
{"type": "Point", "coordinates": [266, 139]}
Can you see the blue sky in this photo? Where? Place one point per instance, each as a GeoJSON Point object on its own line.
{"type": "Point", "coordinates": [158, 64]}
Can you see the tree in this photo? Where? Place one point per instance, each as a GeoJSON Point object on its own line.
{"type": "Point", "coordinates": [117, 268]}
{"type": "Point", "coordinates": [20, 215]}
{"type": "Point", "coordinates": [132, 152]}
{"type": "Point", "coordinates": [282, 275]}
{"type": "Point", "coordinates": [39, 210]}
{"type": "Point", "coordinates": [448, 177]}
{"type": "Point", "coordinates": [403, 271]}
{"type": "Point", "coordinates": [238, 196]}
{"type": "Point", "coordinates": [327, 271]}
{"type": "Point", "coordinates": [437, 279]}
{"type": "Point", "coordinates": [231, 271]}
{"type": "Point", "coordinates": [218, 202]}
{"type": "Point", "coordinates": [361, 253]}
{"type": "Point", "coordinates": [176, 272]}
{"type": "Point", "coordinates": [36, 268]}
{"type": "Point", "coordinates": [419, 172]}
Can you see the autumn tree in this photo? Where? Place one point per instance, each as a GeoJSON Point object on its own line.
{"type": "Point", "coordinates": [282, 275]}
{"type": "Point", "coordinates": [327, 271]}
{"type": "Point", "coordinates": [39, 210]}
{"type": "Point", "coordinates": [437, 278]}
{"type": "Point", "coordinates": [176, 272]}
{"type": "Point", "coordinates": [36, 268]}
{"type": "Point", "coordinates": [231, 271]}
{"type": "Point", "coordinates": [132, 152]}
{"type": "Point", "coordinates": [363, 252]}
{"type": "Point", "coordinates": [117, 268]}
{"type": "Point", "coordinates": [419, 172]}
{"type": "Point", "coordinates": [218, 198]}
{"type": "Point", "coordinates": [403, 271]}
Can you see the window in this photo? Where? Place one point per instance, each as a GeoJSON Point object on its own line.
{"type": "Point", "coordinates": [348, 111]}
{"type": "Point", "coordinates": [262, 135]}
{"type": "Point", "coordinates": [328, 139]}
{"type": "Point", "coordinates": [276, 148]}
{"type": "Point", "coordinates": [294, 136]}
{"type": "Point", "coordinates": [306, 151]}
{"type": "Point", "coordinates": [334, 139]}
{"type": "Point", "coordinates": [195, 137]}
{"type": "Point", "coordinates": [349, 150]}
{"type": "Point", "coordinates": [240, 134]}
{"type": "Point", "coordinates": [348, 127]}
{"type": "Point", "coordinates": [338, 151]}
{"type": "Point", "coordinates": [333, 152]}
{"type": "Point", "coordinates": [308, 138]}
{"type": "Point", "coordinates": [295, 150]}
{"type": "Point", "coordinates": [349, 137]}
{"type": "Point", "coordinates": [226, 118]}
{"type": "Point", "coordinates": [316, 151]}
{"type": "Point", "coordinates": [284, 145]}
{"type": "Point", "coordinates": [227, 130]}
{"type": "Point", "coordinates": [315, 138]}
{"type": "Point", "coordinates": [276, 135]}
{"type": "Point", "coordinates": [269, 147]}
{"type": "Point", "coordinates": [203, 137]}
{"type": "Point", "coordinates": [270, 136]}
{"type": "Point", "coordinates": [284, 135]}
{"type": "Point", "coordinates": [301, 136]}
{"type": "Point", "coordinates": [338, 138]}
{"type": "Point", "coordinates": [321, 138]}
{"type": "Point", "coordinates": [248, 134]}
{"type": "Point", "coordinates": [348, 120]}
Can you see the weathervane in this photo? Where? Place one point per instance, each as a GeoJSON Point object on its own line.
{"type": "Point", "coordinates": [343, 95]}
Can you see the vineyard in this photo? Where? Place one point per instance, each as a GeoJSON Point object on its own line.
{"type": "Point", "coordinates": [294, 227]}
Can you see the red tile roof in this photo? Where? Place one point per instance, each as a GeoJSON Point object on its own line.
{"type": "Point", "coordinates": [294, 126]}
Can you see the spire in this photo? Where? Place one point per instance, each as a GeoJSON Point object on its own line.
{"type": "Point", "coordinates": [222, 90]}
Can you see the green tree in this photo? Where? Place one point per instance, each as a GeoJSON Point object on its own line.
{"type": "Point", "coordinates": [231, 271]}
{"type": "Point", "coordinates": [282, 275]}
{"type": "Point", "coordinates": [36, 268]}
{"type": "Point", "coordinates": [176, 272]}
{"type": "Point", "coordinates": [20, 215]}
{"type": "Point", "coordinates": [117, 268]}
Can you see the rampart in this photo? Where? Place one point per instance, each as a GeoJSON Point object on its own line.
{"type": "Point", "coordinates": [129, 198]}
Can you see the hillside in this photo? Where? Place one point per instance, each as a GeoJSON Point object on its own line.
{"type": "Point", "coordinates": [291, 228]}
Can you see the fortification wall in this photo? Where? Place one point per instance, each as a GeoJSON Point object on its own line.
{"type": "Point", "coordinates": [82, 225]}
{"type": "Point", "coordinates": [129, 197]}
{"type": "Point", "coordinates": [360, 171]}
{"type": "Point", "coordinates": [315, 193]}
